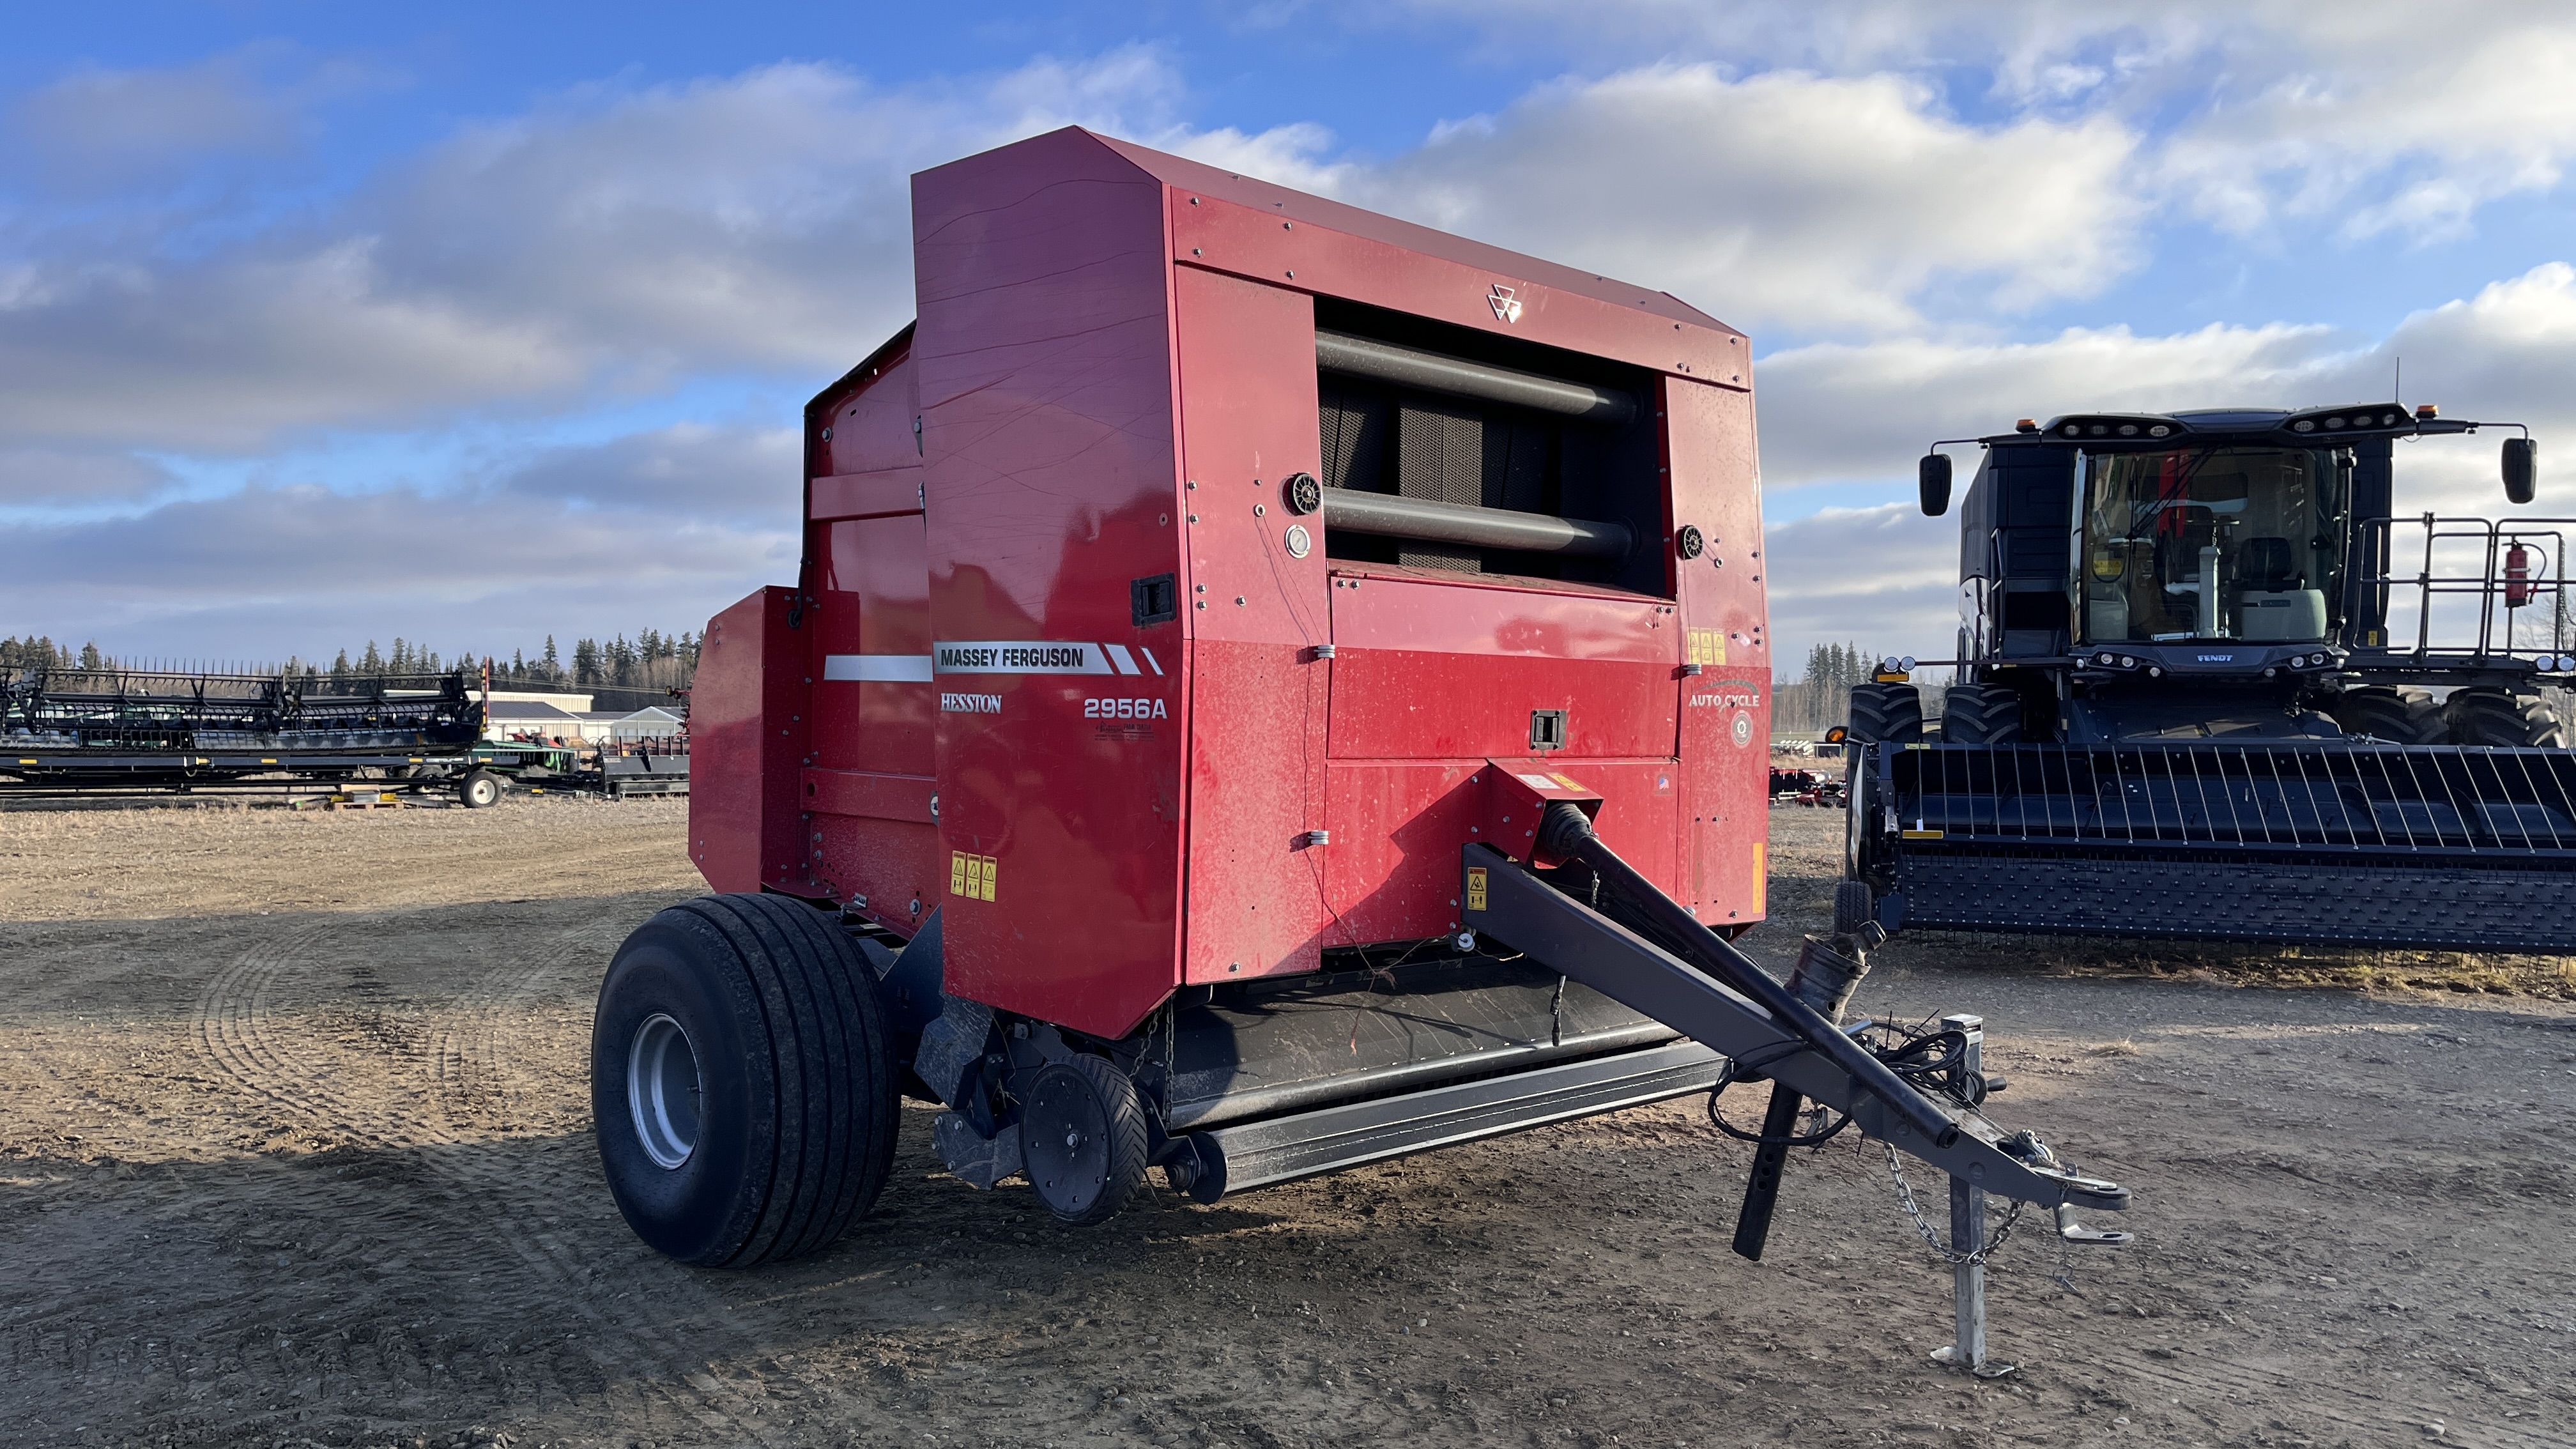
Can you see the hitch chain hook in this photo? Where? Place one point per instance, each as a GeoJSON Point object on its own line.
{"type": "Point", "coordinates": [1931, 1239]}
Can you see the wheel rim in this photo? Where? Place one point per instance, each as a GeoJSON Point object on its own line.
{"type": "Point", "coordinates": [1066, 1140]}
{"type": "Point", "coordinates": [662, 1091]}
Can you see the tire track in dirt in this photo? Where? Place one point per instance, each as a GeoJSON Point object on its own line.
{"type": "Point", "coordinates": [2200, 1377]}
{"type": "Point", "coordinates": [473, 1068]}
{"type": "Point", "coordinates": [236, 1023]}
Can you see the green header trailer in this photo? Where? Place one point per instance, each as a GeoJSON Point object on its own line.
{"type": "Point", "coordinates": [2211, 683]}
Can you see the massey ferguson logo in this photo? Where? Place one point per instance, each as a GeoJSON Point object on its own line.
{"type": "Point", "coordinates": [1506, 303]}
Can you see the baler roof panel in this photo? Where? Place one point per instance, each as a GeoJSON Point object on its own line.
{"type": "Point", "coordinates": [1218, 184]}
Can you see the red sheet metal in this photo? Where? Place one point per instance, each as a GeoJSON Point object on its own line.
{"type": "Point", "coordinates": [1112, 377]}
{"type": "Point", "coordinates": [746, 738]}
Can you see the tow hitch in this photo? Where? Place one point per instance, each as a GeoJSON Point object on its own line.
{"type": "Point", "coordinates": [1582, 911]}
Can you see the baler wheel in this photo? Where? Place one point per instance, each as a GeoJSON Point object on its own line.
{"type": "Point", "coordinates": [1886, 714]}
{"type": "Point", "coordinates": [2504, 719]}
{"type": "Point", "coordinates": [1853, 907]}
{"type": "Point", "coordinates": [478, 789]}
{"type": "Point", "coordinates": [1083, 1136]}
{"type": "Point", "coordinates": [742, 1084]}
{"type": "Point", "coordinates": [1981, 714]}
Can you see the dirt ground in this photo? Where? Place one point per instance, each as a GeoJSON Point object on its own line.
{"type": "Point", "coordinates": [294, 1150]}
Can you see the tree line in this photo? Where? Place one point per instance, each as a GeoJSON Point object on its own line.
{"type": "Point", "coordinates": [651, 660]}
{"type": "Point", "coordinates": [1821, 698]}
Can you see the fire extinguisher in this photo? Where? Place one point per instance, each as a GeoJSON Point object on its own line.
{"type": "Point", "coordinates": [2517, 576]}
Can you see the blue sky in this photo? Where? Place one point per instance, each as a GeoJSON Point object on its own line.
{"type": "Point", "coordinates": [323, 322]}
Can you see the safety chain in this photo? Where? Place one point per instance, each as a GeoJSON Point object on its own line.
{"type": "Point", "coordinates": [1932, 1240]}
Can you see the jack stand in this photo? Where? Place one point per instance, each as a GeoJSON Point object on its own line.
{"type": "Point", "coordinates": [1967, 1347]}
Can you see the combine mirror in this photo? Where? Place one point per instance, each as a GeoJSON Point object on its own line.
{"type": "Point", "coordinates": [2518, 479]}
{"type": "Point", "coordinates": [1933, 477]}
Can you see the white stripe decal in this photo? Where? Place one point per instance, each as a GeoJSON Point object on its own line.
{"type": "Point", "coordinates": [1149, 658]}
{"type": "Point", "coordinates": [878, 668]}
{"type": "Point", "coordinates": [1020, 656]}
{"type": "Point", "coordinates": [1125, 661]}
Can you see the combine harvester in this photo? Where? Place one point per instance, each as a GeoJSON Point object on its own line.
{"type": "Point", "coordinates": [2213, 685]}
{"type": "Point", "coordinates": [71, 731]}
{"type": "Point", "coordinates": [1269, 688]}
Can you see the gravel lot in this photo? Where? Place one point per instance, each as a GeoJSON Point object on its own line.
{"type": "Point", "coordinates": [294, 1149]}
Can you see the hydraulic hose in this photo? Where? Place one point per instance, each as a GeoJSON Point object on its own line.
{"type": "Point", "coordinates": [1566, 833]}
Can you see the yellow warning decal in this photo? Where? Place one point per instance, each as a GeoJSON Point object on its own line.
{"type": "Point", "coordinates": [1918, 834]}
{"type": "Point", "coordinates": [1761, 878]}
{"type": "Point", "coordinates": [1704, 646]}
{"type": "Point", "coordinates": [1565, 782]}
{"type": "Point", "coordinates": [1475, 887]}
{"type": "Point", "coordinates": [972, 876]}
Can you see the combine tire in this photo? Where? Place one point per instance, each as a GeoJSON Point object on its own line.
{"type": "Point", "coordinates": [1084, 1139]}
{"type": "Point", "coordinates": [1889, 714]}
{"type": "Point", "coordinates": [2392, 716]}
{"type": "Point", "coordinates": [1981, 714]}
{"type": "Point", "coordinates": [1852, 906]}
{"type": "Point", "coordinates": [741, 1081]}
{"type": "Point", "coordinates": [478, 789]}
{"type": "Point", "coordinates": [2500, 717]}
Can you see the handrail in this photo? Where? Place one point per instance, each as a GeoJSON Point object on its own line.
{"type": "Point", "coordinates": [2493, 537]}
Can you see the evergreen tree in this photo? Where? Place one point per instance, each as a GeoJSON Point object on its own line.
{"type": "Point", "coordinates": [340, 666]}
{"type": "Point", "coordinates": [90, 658]}
{"type": "Point", "coordinates": [552, 666]}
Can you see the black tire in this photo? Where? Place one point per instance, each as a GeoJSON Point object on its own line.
{"type": "Point", "coordinates": [2502, 718]}
{"type": "Point", "coordinates": [1852, 906]}
{"type": "Point", "coordinates": [478, 788]}
{"type": "Point", "coordinates": [2393, 716]}
{"type": "Point", "coordinates": [1082, 1137]}
{"type": "Point", "coordinates": [792, 1120]}
{"type": "Point", "coordinates": [1886, 714]}
{"type": "Point", "coordinates": [1981, 714]}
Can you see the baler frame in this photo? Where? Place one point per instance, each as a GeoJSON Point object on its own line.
{"type": "Point", "coordinates": [1238, 641]}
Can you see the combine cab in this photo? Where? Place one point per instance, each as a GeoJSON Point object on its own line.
{"type": "Point", "coordinates": [2212, 684]}
{"type": "Point", "coordinates": [1270, 688]}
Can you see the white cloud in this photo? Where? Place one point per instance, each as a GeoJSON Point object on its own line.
{"type": "Point", "coordinates": [1837, 411]}
{"type": "Point", "coordinates": [2359, 118]}
{"type": "Point", "coordinates": [605, 245]}
{"type": "Point", "coordinates": [307, 570]}
{"type": "Point", "coordinates": [1780, 199]}
{"type": "Point", "coordinates": [750, 477]}
{"type": "Point", "coordinates": [1885, 578]}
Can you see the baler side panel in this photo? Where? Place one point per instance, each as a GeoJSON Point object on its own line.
{"type": "Point", "coordinates": [1259, 696]}
{"type": "Point", "coordinates": [868, 789]}
{"type": "Point", "coordinates": [1046, 404]}
{"type": "Point", "coordinates": [1726, 708]}
{"type": "Point", "coordinates": [870, 423]}
{"type": "Point", "coordinates": [745, 740]}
